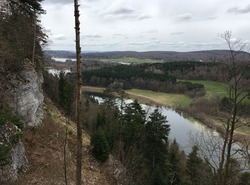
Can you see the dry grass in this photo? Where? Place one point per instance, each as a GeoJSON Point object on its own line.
{"type": "Point", "coordinates": [44, 149]}
{"type": "Point", "coordinates": [151, 97]}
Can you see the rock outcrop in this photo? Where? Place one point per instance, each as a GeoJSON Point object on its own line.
{"type": "Point", "coordinates": [16, 159]}
{"type": "Point", "coordinates": [21, 94]}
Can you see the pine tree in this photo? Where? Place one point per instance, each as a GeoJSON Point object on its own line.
{"type": "Point", "coordinates": [100, 145]}
{"type": "Point", "coordinates": [156, 144]}
{"type": "Point", "coordinates": [174, 164]}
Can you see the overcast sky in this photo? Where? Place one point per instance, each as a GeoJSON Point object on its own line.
{"type": "Point", "coordinates": [146, 25]}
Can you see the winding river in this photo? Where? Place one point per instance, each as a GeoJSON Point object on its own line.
{"type": "Point", "coordinates": [181, 127]}
{"type": "Point", "coordinates": [185, 130]}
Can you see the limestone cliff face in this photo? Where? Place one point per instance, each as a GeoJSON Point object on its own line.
{"type": "Point", "coordinates": [29, 98]}
{"type": "Point", "coordinates": [17, 158]}
{"type": "Point", "coordinates": [21, 94]}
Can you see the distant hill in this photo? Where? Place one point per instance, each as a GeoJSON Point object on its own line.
{"type": "Point", "coordinates": [168, 56]}
{"type": "Point", "coordinates": [59, 53]}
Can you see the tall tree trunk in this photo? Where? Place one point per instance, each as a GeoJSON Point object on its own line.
{"type": "Point", "coordinates": [65, 151]}
{"type": "Point", "coordinates": [78, 97]}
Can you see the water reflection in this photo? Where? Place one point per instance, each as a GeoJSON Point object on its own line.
{"type": "Point", "coordinates": [180, 126]}
{"type": "Point", "coordinates": [187, 131]}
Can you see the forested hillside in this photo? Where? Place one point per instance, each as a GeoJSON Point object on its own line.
{"type": "Point", "coordinates": [167, 56]}
{"type": "Point", "coordinates": [21, 40]}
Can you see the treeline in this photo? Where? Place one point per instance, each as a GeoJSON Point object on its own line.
{"type": "Point", "coordinates": [21, 35]}
{"type": "Point", "coordinates": [155, 77]}
{"type": "Point", "coordinates": [168, 56]}
{"type": "Point", "coordinates": [60, 91]}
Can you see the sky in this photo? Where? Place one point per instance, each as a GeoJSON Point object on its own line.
{"type": "Point", "coordinates": [146, 25]}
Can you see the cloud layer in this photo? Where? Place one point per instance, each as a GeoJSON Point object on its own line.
{"type": "Point", "coordinates": [142, 25]}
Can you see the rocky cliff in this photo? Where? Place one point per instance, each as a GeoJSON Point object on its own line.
{"type": "Point", "coordinates": [20, 93]}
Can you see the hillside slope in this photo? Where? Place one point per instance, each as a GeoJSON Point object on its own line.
{"type": "Point", "coordinates": [44, 147]}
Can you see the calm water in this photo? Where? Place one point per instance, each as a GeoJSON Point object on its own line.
{"type": "Point", "coordinates": [57, 59]}
{"type": "Point", "coordinates": [181, 127]}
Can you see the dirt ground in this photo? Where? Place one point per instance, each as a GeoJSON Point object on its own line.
{"type": "Point", "coordinates": [44, 147]}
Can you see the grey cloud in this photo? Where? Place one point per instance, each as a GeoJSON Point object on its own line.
{"type": "Point", "coordinates": [112, 44]}
{"type": "Point", "coordinates": [238, 10]}
{"type": "Point", "coordinates": [177, 33]}
{"type": "Point", "coordinates": [142, 17]}
{"type": "Point", "coordinates": [63, 2]}
{"type": "Point", "coordinates": [58, 2]}
{"type": "Point", "coordinates": [153, 31]}
{"type": "Point", "coordinates": [60, 37]}
{"type": "Point", "coordinates": [184, 17]}
{"type": "Point", "coordinates": [143, 43]}
{"type": "Point", "coordinates": [123, 11]}
{"type": "Point", "coordinates": [118, 35]}
{"type": "Point", "coordinates": [92, 36]}
{"type": "Point", "coordinates": [211, 18]}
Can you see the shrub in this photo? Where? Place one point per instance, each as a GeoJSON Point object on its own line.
{"type": "Point", "coordinates": [4, 154]}
{"type": "Point", "coordinates": [100, 145]}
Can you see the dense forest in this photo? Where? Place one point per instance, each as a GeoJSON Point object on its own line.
{"type": "Point", "coordinates": [155, 77]}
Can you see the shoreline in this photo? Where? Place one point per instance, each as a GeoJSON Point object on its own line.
{"type": "Point", "coordinates": [205, 120]}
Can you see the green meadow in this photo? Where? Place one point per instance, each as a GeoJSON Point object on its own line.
{"type": "Point", "coordinates": [133, 60]}
{"type": "Point", "coordinates": [171, 100]}
{"type": "Point", "coordinates": [212, 88]}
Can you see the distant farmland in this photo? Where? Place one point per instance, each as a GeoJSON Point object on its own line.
{"type": "Point", "coordinates": [132, 60]}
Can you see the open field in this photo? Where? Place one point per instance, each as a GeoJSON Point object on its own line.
{"type": "Point", "coordinates": [212, 88]}
{"type": "Point", "coordinates": [171, 100]}
{"type": "Point", "coordinates": [133, 60]}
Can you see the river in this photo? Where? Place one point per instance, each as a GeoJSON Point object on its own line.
{"type": "Point", "coordinates": [186, 131]}
{"type": "Point", "coordinates": [181, 127]}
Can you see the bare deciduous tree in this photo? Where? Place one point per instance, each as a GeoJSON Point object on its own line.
{"type": "Point", "coordinates": [221, 153]}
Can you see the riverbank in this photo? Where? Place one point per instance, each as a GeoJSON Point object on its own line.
{"type": "Point", "coordinates": [180, 103]}
{"type": "Point", "coordinates": [151, 97]}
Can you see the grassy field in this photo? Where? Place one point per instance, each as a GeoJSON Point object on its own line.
{"type": "Point", "coordinates": [212, 88]}
{"type": "Point", "coordinates": [146, 96]}
{"type": "Point", "coordinates": [133, 60]}
{"type": "Point", "coordinates": [175, 100]}
{"type": "Point", "coordinates": [171, 100]}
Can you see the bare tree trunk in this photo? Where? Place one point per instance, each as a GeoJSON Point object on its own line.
{"type": "Point", "coordinates": [78, 97]}
{"type": "Point", "coordinates": [65, 151]}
